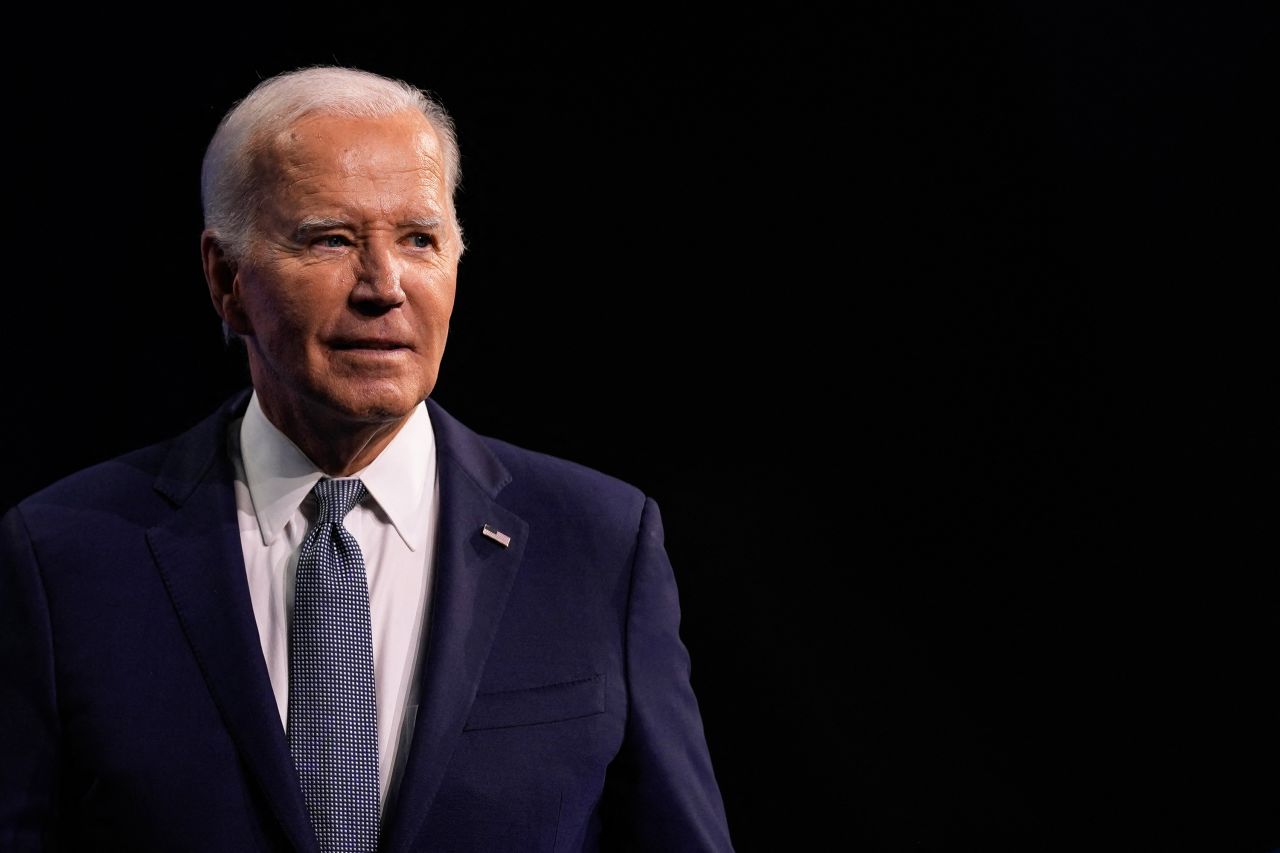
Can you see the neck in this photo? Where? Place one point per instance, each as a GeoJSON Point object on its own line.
{"type": "Point", "coordinates": [338, 447]}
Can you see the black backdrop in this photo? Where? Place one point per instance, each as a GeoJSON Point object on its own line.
{"type": "Point", "coordinates": [937, 334]}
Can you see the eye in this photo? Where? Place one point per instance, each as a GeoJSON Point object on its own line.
{"type": "Point", "coordinates": [421, 241]}
{"type": "Point", "coordinates": [332, 241]}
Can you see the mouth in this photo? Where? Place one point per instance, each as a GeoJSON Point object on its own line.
{"type": "Point", "coordinates": [369, 344]}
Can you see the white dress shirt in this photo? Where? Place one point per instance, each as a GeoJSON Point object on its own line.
{"type": "Point", "coordinates": [395, 525]}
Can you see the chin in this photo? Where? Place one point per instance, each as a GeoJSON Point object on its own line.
{"type": "Point", "coordinates": [378, 404]}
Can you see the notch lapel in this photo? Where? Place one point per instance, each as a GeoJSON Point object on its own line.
{"type": "Point", "coordinates": [199, 556]}
{"type": "Point", "coordinates": [473, 577]}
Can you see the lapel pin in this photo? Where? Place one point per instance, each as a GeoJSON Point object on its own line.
{"type": "Point", "coordinates": [496, 535]}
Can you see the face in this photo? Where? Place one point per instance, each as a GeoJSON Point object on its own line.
{"type": "Point", "coordinates": [345, 296]}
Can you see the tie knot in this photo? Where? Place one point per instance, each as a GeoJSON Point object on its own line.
{"type": "Point", "coordinates": [336, 498]}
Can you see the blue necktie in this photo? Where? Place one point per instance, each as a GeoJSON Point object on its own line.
{"type": "Point", "coordinates": [333, 717]}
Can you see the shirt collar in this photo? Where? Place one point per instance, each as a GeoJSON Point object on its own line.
{"type": "Point", "coordinates": [280, 475]}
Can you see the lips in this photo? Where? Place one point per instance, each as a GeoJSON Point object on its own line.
{"type": "Point", "coordinates": [369, 344]}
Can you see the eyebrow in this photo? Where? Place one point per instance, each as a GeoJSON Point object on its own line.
{"type": "Point", "coordinates": [313, 224]}
{"type": "Point", "coordinates": [428, 223]}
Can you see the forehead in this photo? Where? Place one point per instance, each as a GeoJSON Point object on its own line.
{"type": "Point", "coordinates": [325, 159]}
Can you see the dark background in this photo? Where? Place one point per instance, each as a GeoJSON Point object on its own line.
{"type": "Point", "coordinates": [936, 333]}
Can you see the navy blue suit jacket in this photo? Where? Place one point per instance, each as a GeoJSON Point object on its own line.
{"type": "Point", "coordinates": [556, 711]}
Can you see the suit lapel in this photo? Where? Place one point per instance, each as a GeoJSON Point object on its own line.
{"type": "Point", "coordinates": [199, 555]}
{"type": "Point", "coordinates": [473, 577]}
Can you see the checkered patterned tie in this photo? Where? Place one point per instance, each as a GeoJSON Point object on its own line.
{"type": "Point", "coordinates": [333, 717]}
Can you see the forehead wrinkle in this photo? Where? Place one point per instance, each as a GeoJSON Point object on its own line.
{"type": "Point", "coordinates": [392, 212]}
{"type": "Point", "coordinates": [295, 168]}
{"type": "Point", "coordinates": [304, 172]}
{"type": "Point", "coordinates": [318, 194]}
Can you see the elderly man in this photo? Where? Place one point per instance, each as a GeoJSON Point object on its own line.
{"type": "Point", "coordinates": [329, 616]}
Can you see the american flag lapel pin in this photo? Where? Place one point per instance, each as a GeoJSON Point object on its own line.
{"type": "Point", "coordinates": [496, 535]}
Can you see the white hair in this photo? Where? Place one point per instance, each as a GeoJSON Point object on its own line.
{"type": "Point", "coordinates": [228, 190]}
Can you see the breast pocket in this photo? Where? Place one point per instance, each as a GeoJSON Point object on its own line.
{"type": "Point", "coordinates": [530, 706]}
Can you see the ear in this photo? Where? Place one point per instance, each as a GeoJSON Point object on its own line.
{"type": "Point", "coordinates": [223, 277]}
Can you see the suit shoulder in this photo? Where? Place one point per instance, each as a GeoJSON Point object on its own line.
{"type": "Point", "coordinates": [134, 483]}
{"type": "Point", "coordinates": [107, 485]}
{"type": "Point", "coordinates": [568, 486]}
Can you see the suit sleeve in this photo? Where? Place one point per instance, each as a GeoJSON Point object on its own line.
{"type": "Point", "coordinates": [28, 705]}
{"type": "Point", "coordinates": [661, 793]}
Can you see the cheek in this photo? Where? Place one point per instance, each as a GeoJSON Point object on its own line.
{"type": "Point", "coordinates": [288, 312]}
{"type": "Point", "coordinates": [444, 308]}
{"type": "Point", "coordinates": [435, 301]}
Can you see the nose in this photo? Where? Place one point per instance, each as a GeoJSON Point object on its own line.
{"type": "Point", "coordinates": [377, 287]}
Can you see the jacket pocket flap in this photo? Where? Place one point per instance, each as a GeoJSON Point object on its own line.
{"type": "Point", "coordinates": [528, 706]}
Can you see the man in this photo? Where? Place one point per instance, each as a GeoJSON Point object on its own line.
{"type": "Point", "coordinates": [330, 617]}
